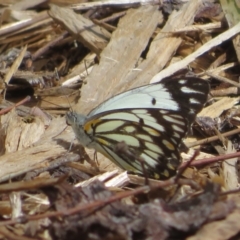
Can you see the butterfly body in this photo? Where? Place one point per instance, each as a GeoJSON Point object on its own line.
{"type": "Point", "coordinates": [151, 120]}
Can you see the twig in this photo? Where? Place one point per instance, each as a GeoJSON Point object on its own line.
{"type": "Point", "coordinates": [203, 49]}
{"type": "Point", "coordinates": [211, 160]}
{"type": "Point", "coordinates": [5, 110]}
{"type": "Point", "coordinates": [92, 205]}
{"type": "Point", "coordinates": [45, 48]}
{"type": "Point", "coordinates": [89, 5]}
{"type": "Point", "coordinates": [223, 79]}
{"type": "Point", "coordinates": [211, 139]}
{"type": "Point", "coordinates": [186, 165]}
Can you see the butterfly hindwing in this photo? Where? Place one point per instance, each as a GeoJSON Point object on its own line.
{"type": "Point", "coordinates": [148, 136]}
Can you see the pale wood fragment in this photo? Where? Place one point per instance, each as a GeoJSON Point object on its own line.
{"type": "Point", "coordinates": [50, 146]}
{"type": "Point", "coordinates": [20, 135]}
{"type": "Point", "coordinates": [164, 45]}
{"type": "Point", "coordinates": [15, 65]}
{"type": "Point", "coordinates": [203, 49]}
{"type": "Point", "coordinates": [229, 166]}
{"type": "Point", "coordinates": [104, 3]}
{"type": "Point", "coordinates": [209, 27]}
{"type": "Point", "coordinates": [216, 109]}
{"type": "Point", "coordinates": [221, 230]}
{"type": "Point", "coordinates": [119, 57]}
{"type": "Point", "coordinates": [231, 11]}
{"type": "Point", "coordinates": [20, 25]}
{"type": "Point", "coordinates": [85, 30]}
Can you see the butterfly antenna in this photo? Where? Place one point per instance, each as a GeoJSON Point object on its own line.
{"type": "Point", "coordinates": [57, 105]}
{"type": "Point", "coordinates": [71, 144]}
{"type": "Point", "coordinates": [56, 74]}
{"type": "Point", "coordinates": [96, 158]}
{"type": "Point", "coordinates": [70, 107]}
{"type": "Point", "coordinates": [85, 65]}
{"type": "Point", "coordinates": [54, 104]}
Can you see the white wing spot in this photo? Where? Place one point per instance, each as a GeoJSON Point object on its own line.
{"type": "Point", "coordinates": [163, 111]}
{"type": "Point", "coordinates": [156, 126]}
{"type": "Point", "coordinates": [147, 117]}
{"type": "Point", "coordinates": [144, 137]}
{"type": "Point", "coordinates": [154, 147]}
{"type": "Point", "coordinates": [129, 129]}
{"type": "Point", "coordinates": [109, 126]}
{"type": "Point", "coordinates": [194, 101]}
{"type": "Point", "coordinates": [149, 160]}
{"type": "Point", "coordinates": [176, 135]}
{"type": "Point", "coordinates": [177, 116]}
{"type": "Point", "coordinates": [121, 116]}
{"type": "Point", "coordinates": [151, 131]}
{"type": "Point", "coordinates": [182, 81]}
{"type": "Point", "coordinates": [129, 140]}
{"type": "Point", "coordinates": [174, 141]}
{"type": "Point", "coordinates": [151, 154]}
{"type": "Point", "coordinates": [174, 156]}
{"type": "Point", "coordinates": [170, 166]}
{"type": "Point", "coordinates": [192, 111]}
{"type": "Point", "coordinates": [169, 145]}
{"type": "Point", "coordinates": [139, 111]}
{"type": "Point", "coordinates": [190, 90]}
{"type": "Point", "coordinates": [187, 90]}
{"type": "Point", "coordinates": [165, 173]}
{"type": "Point", "coordinates": [177, 128]}
{"type": "Point", "coordinates": [172, 119]}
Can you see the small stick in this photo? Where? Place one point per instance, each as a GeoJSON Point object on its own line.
{"type": "Point", "coordinates": [8, 109]}
{"type": "Point", "coordinates": [183, 167]}
{"type": "Point", "coordinates": [211, 160]}
{"type": "Point", "coordinates": [211, 139]}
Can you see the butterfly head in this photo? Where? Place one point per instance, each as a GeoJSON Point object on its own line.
{"type": "Point", "coordinates": [73, 118]}
{"type": "Point", "coordinates": [77, 121]}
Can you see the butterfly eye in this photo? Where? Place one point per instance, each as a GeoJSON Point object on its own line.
{"type": "Point", "coordinates": [149, 121]}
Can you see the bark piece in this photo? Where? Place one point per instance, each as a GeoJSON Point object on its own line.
{"type": "Point", "coordinates": [87, 32]}
{"type": "Point", "coordinates": [119, 57]}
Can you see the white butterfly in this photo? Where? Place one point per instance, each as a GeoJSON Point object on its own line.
{"type": "Point", "coordinates": [152, 120]}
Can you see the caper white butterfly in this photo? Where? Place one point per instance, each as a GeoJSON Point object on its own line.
{"type": "Point", "coordinates": [152, 120]}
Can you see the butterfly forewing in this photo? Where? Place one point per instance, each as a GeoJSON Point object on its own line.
{"type": "Point", "coordinates": [151, 120]}
{"type": "Point", "coordinates": [169, 94]}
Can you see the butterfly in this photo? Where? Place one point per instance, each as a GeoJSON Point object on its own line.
{"type": "Point", "coordinates": [150, 120]}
